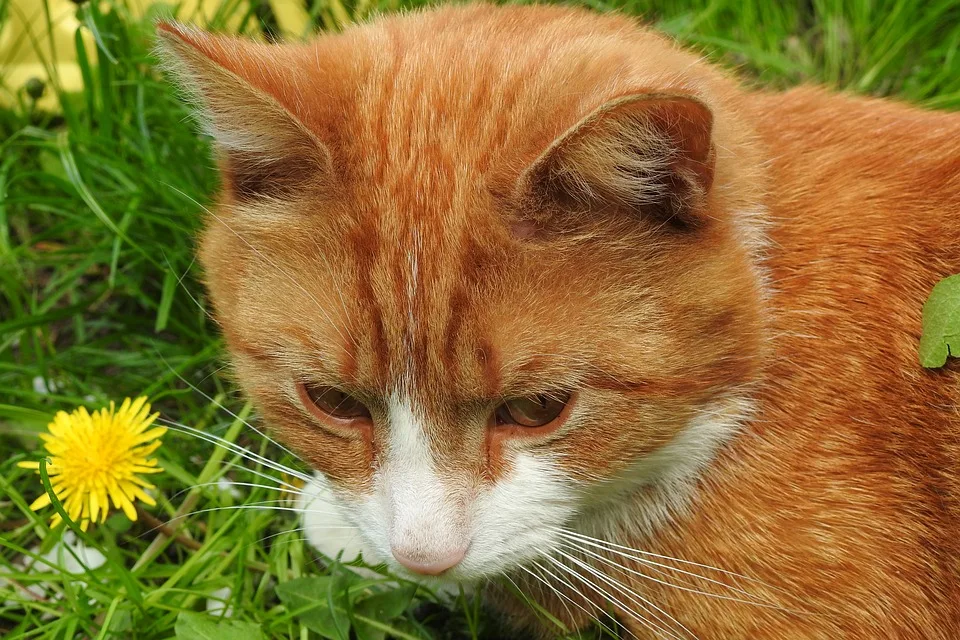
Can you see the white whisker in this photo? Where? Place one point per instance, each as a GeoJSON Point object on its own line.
{"type": "Point", "coordinates": [287, 488]}
{"type": "Point", "coordinates": [649, 624]}
{"type": "Point", "coordinates": [612, 546]}
{"type": "Point", "coordinates": [579, 546]}
{"type": "Point", "coordinates": [567, 584]}
{"type": "Point", "coordinates": [185, 289]}
{"type": "Point", "coordinates": [246, 423]}
{"type": "Point", "coordinates": [263, 257]}
{"type": "Point", "coordinates": [517, 587]}
{"type": "Point", "coordinates": [627, 591]}
{"type": "Point", "coordinates": [265, 506]}
{"type": "Point", "coordinates": [562, 596]}
{"type": "Point", "coordinates": [236, 449]}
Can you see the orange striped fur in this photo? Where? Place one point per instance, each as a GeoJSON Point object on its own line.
{"type": "Point", "coordinates": [437, 211]}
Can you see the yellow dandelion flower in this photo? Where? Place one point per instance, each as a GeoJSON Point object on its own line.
{"type": "Point", "coordinates": [96, 458]}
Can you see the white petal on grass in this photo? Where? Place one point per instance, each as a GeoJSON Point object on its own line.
{"type": "Point", "coordinates": [227, 486]}
{"type": "Point", "coordinates": [45, 387]}
{"type": "Point", "coordinates": [59, 556]}
{"type": "Point", "coordinates": [82, 558]}
{"type": "Point", "coordinates": [217, 603]}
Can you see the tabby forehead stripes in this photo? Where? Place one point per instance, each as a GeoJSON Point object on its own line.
{"type": "Point", "coordinates": [419, 312]}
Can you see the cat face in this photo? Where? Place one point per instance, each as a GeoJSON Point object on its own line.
{"type": "Point", "coordinates": [488, 270]}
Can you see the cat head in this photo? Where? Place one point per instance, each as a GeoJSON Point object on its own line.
{"type": "Point", "coordinates": [489, 270]}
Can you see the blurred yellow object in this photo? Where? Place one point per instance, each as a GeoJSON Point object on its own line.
{"type": "Point", "coordinates": [28, 49]}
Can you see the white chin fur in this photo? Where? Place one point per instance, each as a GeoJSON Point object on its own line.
{"type": "Point", "coordinates": [326, 526]}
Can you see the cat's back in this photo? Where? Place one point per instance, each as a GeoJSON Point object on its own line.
{"type": "Point", "coordinates": [863, 170]}
{"type": "Point", "coordinates": [861, 442]}
{"type": "Point", "coordinates": [864, 219]}
{"type": "Point", "coordinates": [864, 215]}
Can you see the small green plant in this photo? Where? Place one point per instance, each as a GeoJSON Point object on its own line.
{"type": "Point", "coordinates": [334, 604]}
{"type": "Point", "coordinates": [200, 626]}
{"type": "Point", "coordinates": [941, 324]}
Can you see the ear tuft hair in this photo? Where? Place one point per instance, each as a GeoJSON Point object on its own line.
{"type": "Point", "coordinates": [265, 150]}
{"type": "Point", "coordinates": [647, 152]}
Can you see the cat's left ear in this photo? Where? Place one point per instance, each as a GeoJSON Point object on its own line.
{"type": "Point", "coordinates": [649, 153]}
{"type": "Point", "coordinates": [265, 149]}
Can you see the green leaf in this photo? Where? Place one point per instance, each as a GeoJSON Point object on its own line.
{"type": "Point", "coordinates": [384, 607]}
{"type": "Point", "coordinates": [320, 603]}
{"type": "Point", "coordinates": [941, 323]}
{"type": "Point", "coordinates": [200, 626]}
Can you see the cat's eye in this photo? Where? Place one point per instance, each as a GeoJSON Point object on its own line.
{"type": "Point", "coordinates": [532, 411]}
{"type": "Point", "coordinates": [325, 401]}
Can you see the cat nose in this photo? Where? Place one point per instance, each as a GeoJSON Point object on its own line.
{"type": "Point", "coordinates": [427, 564]}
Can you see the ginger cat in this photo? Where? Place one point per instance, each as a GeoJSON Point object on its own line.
{"type": "Point", "coordinates": [541, 294]}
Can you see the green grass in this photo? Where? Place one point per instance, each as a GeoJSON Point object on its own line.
{"type": "Point", "coordinates": [99, 300]}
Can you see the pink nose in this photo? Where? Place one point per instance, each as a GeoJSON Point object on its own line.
{"type": "Point", "coordinates": [426, 564]}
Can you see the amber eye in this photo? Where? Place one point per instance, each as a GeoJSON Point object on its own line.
{"type": "Point", "coordinates": [332, 401]}
{"type": "Point", "coordinates": [534, 411]}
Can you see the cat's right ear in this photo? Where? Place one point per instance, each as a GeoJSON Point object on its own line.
{"type": "Point", "coordinates": [649, 153]}
{"type": "Point", "coordinates": [264, 149]}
